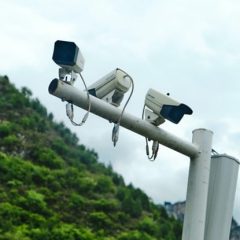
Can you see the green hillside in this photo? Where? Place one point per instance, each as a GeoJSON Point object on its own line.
{"type": "Point", "coordinates": [53, 188]}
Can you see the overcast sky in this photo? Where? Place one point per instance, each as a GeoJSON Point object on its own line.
{"type": "Point", "coordinates": [187, 48]}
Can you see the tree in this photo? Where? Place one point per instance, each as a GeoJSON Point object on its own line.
{"type": "Point", "coordinates": [131, 206]}
{"type": "Point", "coordinates": [99, 220]}
{"type": "Point", "coordinates": [135, 235]}
{"type": "Point", "coordinates": [65, 231]}
{"type": "Point", "coordinates": [26, 92]}
{"type": "Point", "coordinates": [148, 225]}
{"type": "Point", "coordinates": [104, 185]}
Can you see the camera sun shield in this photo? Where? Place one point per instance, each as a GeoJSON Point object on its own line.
{"type": "Point", "coordinates": [67, 55]}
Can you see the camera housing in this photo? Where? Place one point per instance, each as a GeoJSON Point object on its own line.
{"type": "Point", "coordinates": [68, 56]}
{"type": "Point", "coordinates": [163, 107]}
{"type": "Point", "coordinates": [112, 87]}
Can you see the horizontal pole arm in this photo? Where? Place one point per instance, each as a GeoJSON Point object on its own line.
{"type": "Point", "coordinates": [68, 93]}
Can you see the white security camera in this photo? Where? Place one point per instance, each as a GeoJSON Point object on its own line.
{"type": "Point", "coordinates": [163, 107]}
{"type": "Point", "coordinates": [112, 87]}
{"type": "Point", "coordinates": [68, 56]}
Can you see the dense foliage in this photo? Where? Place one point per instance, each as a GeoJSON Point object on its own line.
{"type": "Point", "coordinates": [53, 188]}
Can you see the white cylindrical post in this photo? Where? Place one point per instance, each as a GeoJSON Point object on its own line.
{"type": "Point", "coordinates": [221, 194]}
{"type": "Point", "coordinates": [197, 190]}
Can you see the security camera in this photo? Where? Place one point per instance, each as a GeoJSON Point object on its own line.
{"type": "Point", "coordinates": [112, 87]}
{"type": "Point", "coordinates": [163, 107]}
{"type": "Point", "coordinates": [68, 56]}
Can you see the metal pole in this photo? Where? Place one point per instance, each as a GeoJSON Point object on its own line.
{"type": "Point", "coordinates": [69, 93]}
{"type": "Point", "coordinates": [197, 190]}
{"type": "Point", "coordinates": [221, 194]}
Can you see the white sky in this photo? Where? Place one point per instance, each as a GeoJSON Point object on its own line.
{"type": "Point", "coordinates": [188, 48]}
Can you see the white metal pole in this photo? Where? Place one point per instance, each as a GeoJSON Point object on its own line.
{"type": "Point", "coordinates": [197, 190]}
{"type": "Point", "coordinates": [221, 194]}
{"type": "Point", "coordinates": [69, 93]}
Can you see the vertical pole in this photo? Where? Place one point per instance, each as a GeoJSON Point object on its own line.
{"type": "Point", "coordinates": [197, 190]}
{"type": "Point", "coordinates": [221, 195]}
